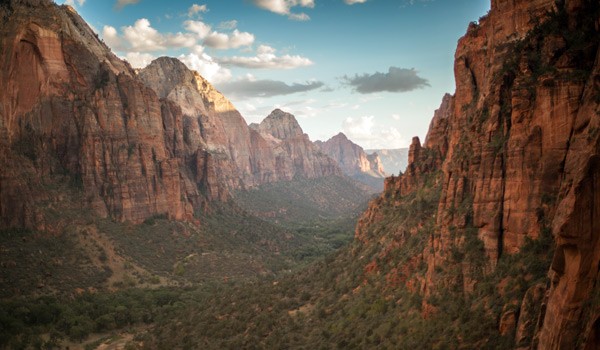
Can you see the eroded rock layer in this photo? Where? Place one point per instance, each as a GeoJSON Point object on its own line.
{"type": "Point", "coordinates": [163, 142]}
{"type": "Point", "coordinates": [351, 157]}
{"type": "Point", "coordinates": [515, 151]}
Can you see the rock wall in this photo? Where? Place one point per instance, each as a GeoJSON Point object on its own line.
{"type": "Point", "coordinates": [517, 148]}
{"type": "Point", "coordinates": [163, 142]}
{"type": "Point", "coordinates": [70, 106]}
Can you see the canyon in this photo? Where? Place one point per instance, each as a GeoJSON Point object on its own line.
{"type": "Point", "coordinates": [488, 239]}
{"type": "Point", "coordinates": [161, 141]}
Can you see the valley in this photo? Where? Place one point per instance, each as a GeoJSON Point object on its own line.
{"type": "Point", "coordinates": [139, 209]}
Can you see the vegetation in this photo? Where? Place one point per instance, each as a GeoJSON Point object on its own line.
{"type": "Point", "coordinates": [368, 294]}
{"type": "Point", "coordinates": [320, 212]}
{"type": "Point", "coordinates": [44, 322]}
{"type": "Point", "coordinates": [303, 201]}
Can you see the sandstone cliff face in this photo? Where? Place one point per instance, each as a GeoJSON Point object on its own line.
{"type": "Point", "coordinates": [70, 106]}
{"type": "Point", "coordinates": [293, 152]}
{"type": "Point", "coordinates": [351, 157]}
{"type": "Point", "coordinates": [280, 125]}
{"type": "Point", "coordinates": [217, 137]}
{"type": "Point", "coordinates": [515, 150]}
{"type": "Point", "coordinates": [163, 142]}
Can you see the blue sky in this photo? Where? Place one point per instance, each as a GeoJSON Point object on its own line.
{"type": "Point", "coordinates": [374, 69]}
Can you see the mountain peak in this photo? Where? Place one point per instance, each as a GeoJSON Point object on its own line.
{"type": "Point", "coordinates": [166, 61]}
{"type": "Point", "coordinates": [340, 136]}
{"type": "Point", "coordinates": [164, 74]}
{"type": "Point", "coordinates": [353, 160]}
{"type": "Point", "coordinates": [281, 125]}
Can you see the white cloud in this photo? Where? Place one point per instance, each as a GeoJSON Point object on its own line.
{"type": "Point", "coordinates": [396, 116]}
{"type": "Point", "coordinates": [283, 7]}
{"type": "Point", "coordinates": [138, 59]}
{"type": "Point", "coordinates": [140, 43]}
{"type": "Point", "coordinates": [278, 6]}
{"type": "Point", "coordinates": [180, 40]}
{"type": "Point", "coordinates": [141, 37]}
{"type": "Point", "coordinates": [299, 17]}
{"type": "Point", "coordinates": [229, 25]}
{"type": "Point", "coordinates": [195, 9]}
{"type": "Point", "coordinates": [249, 107]}
{"type": "Point", "coordinates": [122, 3]}
{"type": "Point", "coordinates": [111, 38]}
{"type": "Point", "coordinates": [370, 135]}
{"type": "Point", "coordinates": [198, 27]}
{"type": "Point", "coordinates": [224, 41]}
{"type": "Point", "coordinates": [352, 2]}
{"type": "Point", "coordinates": [204, 64]}
{"type": "Point", "coordinates": [72, 2]}
{"type": "Point", "coordinates": [267, 59]}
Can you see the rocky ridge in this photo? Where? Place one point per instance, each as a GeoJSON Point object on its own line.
{"type": "Point", "coordinates": [161, 142]}
{"type": "Point", "coordinates": [353, 160]}
{"type": "Point", "coordinates": [515, 151]}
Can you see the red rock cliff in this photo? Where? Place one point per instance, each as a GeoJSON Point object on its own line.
{"type": "Point", "coordinates": [70, 106]}
{"type": "Point", "coordinates": [163, 142]}
{"type": "Point", "coordinates": [516, 149]}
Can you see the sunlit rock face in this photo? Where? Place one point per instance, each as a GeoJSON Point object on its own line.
{"type": "Point", "coordinates": [354, 161]}
{"type": "Point", "coordinates": [516, 150]}
{"type": "Point", "coordinates": [160, 141]}
{"type": "Point", "coordinates": [351, 157]}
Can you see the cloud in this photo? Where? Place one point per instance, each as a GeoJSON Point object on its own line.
{"type": "Point", "coordinates": [266, 59]}
{"type": "Point", "coordinates": [195, 9]}
{"type": "Point", "coordinates": [283, 7]}
{"type": "Point", "coordinates": [198, 27]}
{"type": "Point", "coordinates": [72, 2]}
{"type": "Point", "coordinates": [111, 38]}
{"type": "Point", "coordinates": [141, 37]}
{"type": "Point", "coordinates": [370, 135]}
{"type": "Point", "coordinates": [412, 2]}
{"type": "Point", "coordinates": [138, 59]}
{"type": "Point", "coordinates": [224, 41]}
{"type": "Point", "coordinates": [250, 87]}
{"type": "Point", "coordinates": [137, 41]}
{"type": "Point", "coordinates": [301, 17]}
{"type": "Point", "coordinates": [352, 2]}
{"type": "Point", "coordinates": [228, 25]}
{"type": "Point", "coordinates": [204, 64]}
{"type": "Point", "coordinates": [395, 80]}
{"type": "Point", "coordinates": [122, 3]}
{"type": "Point", "coordinates": [216, 40]}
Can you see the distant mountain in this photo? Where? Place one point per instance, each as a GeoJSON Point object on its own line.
{"type": "Point", "coordinates": [394, 161]}
{"type": "Point", "coordinates": [354, 161]}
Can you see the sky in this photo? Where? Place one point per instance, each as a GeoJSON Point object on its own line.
{"type": "Point", "coordinates": [373, 69]}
